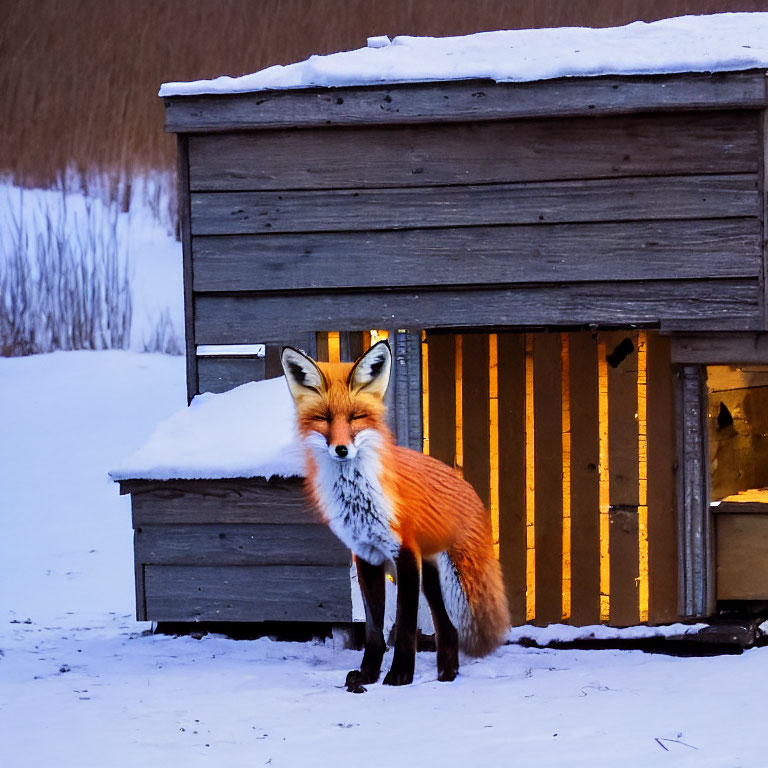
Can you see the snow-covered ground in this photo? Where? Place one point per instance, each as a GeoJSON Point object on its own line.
{"type": "Point", "coordinates": [82, 683]}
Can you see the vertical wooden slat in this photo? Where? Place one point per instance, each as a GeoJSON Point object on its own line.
{"type": "Point", "coordinates": [424, 393]}
{"type": "Point", "coordinates": [585, 487]}
{"type": "Point", "coordinates": [322, 347]}
{"type": "Point", "coordinates": [475, 407]}
{"type": "Point", "coordinates": [530, 483]}
{"type": "Point", "coordinates": [493, 437]}
{"type": "Point", "coordinates": [185, 219]}
{"type": "Point", "coordinates": [512, 533]}
{"type": "Point", "coordinates": [604, 504]}
{"type": "Point", "coordinates": [662, 507]}
{"type": "Point", "coordinates": [624, 478]}
{"type": "Point", "coordinates": [442, 402]}
{"type": "Point", "coordinates": [406, 375]}
{"type": "Point", "coordinates": [642, 467]}
{"type": "Point", "coordinates": [458, 389]}
{"type": "Point", "coordinates": [565, 431]}
{"type": "Point", "coordinates": [695, 538]}
{"type": "Point", "coordinates": [548, 476]}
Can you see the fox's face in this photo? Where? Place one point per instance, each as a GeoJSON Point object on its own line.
{"type": "Point", "coordinates": [339, 406]}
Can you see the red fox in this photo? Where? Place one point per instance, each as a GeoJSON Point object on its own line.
{"type": "Point", "coordinates": [389, 503]}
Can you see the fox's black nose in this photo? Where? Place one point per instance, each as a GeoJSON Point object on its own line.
{"type": "Point", "coordinates": [342, 451]}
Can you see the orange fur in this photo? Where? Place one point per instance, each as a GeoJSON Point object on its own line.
{"type": "Point", "coordinates": [435, 510]}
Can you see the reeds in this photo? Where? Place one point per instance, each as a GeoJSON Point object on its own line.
{"type": "Point", "coordinates": [79, 78]}
{"type": "Point", "coordinates": [63, 286]}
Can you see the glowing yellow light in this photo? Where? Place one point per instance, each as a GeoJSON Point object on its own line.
{"type": "Point", "coordinates": [424, 394]}
{"type": "Point", "coordinates": [604, 481]}
{"type": "Point", "coordinates": [565, 398]}
{"type": "Point", "coordinates": [530, 491]}
{"type": "Point", "coordinates": [334, 347]}
{"type": "Point", "coordinates": [377, 336]}
{"type": "Point", "coordinates": [642, 465]}
{"type": "Point", "coordinates": [458, 460]}
{"type": "Point", "coordinates": [493, 448]}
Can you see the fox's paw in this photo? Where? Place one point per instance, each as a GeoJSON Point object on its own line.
{"type": "Point", "coordinates": [357, 679]}
{"type": "Point", "coordinates": [399, 676]}
{"type": "Point", "coordinates": [447, 673]}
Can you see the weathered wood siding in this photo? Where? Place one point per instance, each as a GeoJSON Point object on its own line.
{"type": "Point", "coordinates": [235, 550]}
{"type": "Point", "coordinates": [652, 218]}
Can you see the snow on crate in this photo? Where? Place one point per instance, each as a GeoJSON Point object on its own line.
{"type": "Point", "coordinates": [246, 432]}
{"type": "Point", "coordinates": [715, 43]}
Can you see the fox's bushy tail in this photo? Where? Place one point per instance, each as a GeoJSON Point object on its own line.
{"type": "Point", "coordinates": [474, 597]}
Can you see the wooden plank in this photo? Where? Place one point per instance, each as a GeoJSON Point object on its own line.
{"type": "Point", "coordinates": [624, 199]}
{"type": "Point", "coordinates": [662, 479]}
{"type": "Point", "coordinates": [476, 414]}
{"type": "Point", "coordinates": [621, 351]}
{"type": "Point", "coordinates": [585, 489]}
{"type": "Point", "coordinates": [220, 374]}
{"type": "Point", "coordinates": [741, 508]}
{"type": "Point", "coordinates": [476, 153]}
{"type": "Point", "coordinates": [406, 378]}
{"type": "Point", "coordinates": [719, 304]}
{"type": "Point", "coordinates": [226, 544]}
{"type": "Point", "coordinates": [696, 580]}
{"type": "Point", "coordinates": [559, 253]}
{"type": "Point", "coordinates": [442, 397]}
{"type": "Point", "coordinates": [236, 501]}
{"type": "Point", "coordinates": [185, 227]}
{"type": "Point", "coordinates": [139, 587]}
{"type": "Point", "coordinates": [548, 476]}
{"type": "Point", "coordinates": [742, 557]}
{"type": "Point", "coordinates": [463, 100]}
{"type": "Point", "coordinates": [257, 593]}
{"type": "Point", "coordinates": [511, 376]}
{"type": "Point", "coordinates": [720, 348]}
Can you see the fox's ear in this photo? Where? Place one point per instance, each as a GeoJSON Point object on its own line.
{"type": "Point", "coordinates": [370, 373]}
{"type": "Point", "coordinates": [301, 373]}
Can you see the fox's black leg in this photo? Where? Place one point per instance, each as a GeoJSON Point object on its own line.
{"type": "Point", "coordinates": [408, 580]}
{"type": "Point", "coordinates": [371, 580]}
{"type": "Point", "coordinates": [446, 637]}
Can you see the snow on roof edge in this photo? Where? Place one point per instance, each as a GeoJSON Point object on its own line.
{"type": "Point", "coordinates": [726, 42]}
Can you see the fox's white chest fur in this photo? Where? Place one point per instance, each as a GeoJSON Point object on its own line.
{"type": "Point", "coordinates": [352, 499]}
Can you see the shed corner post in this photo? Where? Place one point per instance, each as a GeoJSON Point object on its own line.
{"type": "Point", "coordinates": [185, 231]}
{"type": "Point", "coordinates": [696, 560]}
{"type": "Point", "coordinates": [405, 403]}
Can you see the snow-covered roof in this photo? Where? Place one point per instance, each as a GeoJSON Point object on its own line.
{"type": "Point", "coordinates": [723, 42]}
{"type": "Point", "coordinates": [246, 432]}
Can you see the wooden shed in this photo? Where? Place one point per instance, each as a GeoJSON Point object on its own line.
{"type": "Point", "coordinates": [572, 274]}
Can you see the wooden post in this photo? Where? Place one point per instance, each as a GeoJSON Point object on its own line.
{"type": "Point", "coordinates": [696, 553]}
{"type": "Point", "coordinates": [405, 406]}
{"type": "Point", "coordinates": [185, 231]}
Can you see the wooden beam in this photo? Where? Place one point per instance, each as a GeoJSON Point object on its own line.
{"type": "Point", "coordinates": [559, 253]}
{"type": "Point", "coordinates": [477, 153]}
{"type": "Point", "coordinates": [465, 100]}
{"type": "Point", "coordinates": [696, 540]}
{"type": "Point", "coordinates": [720, 304]}
{"type": "Point", "coordinates": [556, 202]}
{"type": "Point", "coordinates": [720, 348]}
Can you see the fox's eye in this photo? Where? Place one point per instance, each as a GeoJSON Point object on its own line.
{"type": "Point", "coordinates": [357, 416]}
{"type": "Point", "coordinates": [323, 417]}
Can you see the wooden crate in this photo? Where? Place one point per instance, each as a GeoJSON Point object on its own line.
{"type": "Point", "coordinates": [235, 550]}
{"type": "Point", "coordinates": [741, 525]}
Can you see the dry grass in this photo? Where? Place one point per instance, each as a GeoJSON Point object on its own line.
{"type": "Point", "coordinates": [79, 77]}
